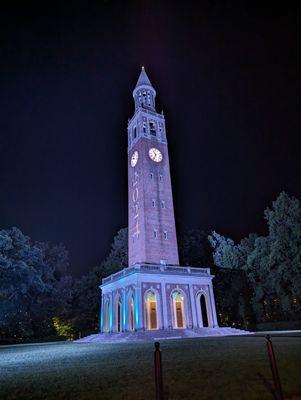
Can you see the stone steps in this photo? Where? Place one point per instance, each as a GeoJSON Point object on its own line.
{"type": "Point", "coordinates": [161, 335]}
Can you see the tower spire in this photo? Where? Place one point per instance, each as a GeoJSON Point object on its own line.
{"type": "Point", "coordinates": [143, 79]}
{"type": "Point", "coordinates": [144, 93]}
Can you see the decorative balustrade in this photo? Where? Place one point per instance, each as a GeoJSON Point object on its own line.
{"type": "Point", "coordinates": [157, 268]}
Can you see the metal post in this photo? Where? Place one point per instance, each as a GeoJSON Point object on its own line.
{"type": "Point", "coordinates": [274, 369]}
{"type": "Point", "coordinates": [158, 372]}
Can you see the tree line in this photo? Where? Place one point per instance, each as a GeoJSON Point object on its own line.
{"type": "Point", "coordinates": [257, 280]}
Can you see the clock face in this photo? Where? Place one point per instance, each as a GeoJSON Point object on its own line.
{"type": "Point", "coordinates": [155, 154]}
{"type": "Point", "coordinates": [134, 158]}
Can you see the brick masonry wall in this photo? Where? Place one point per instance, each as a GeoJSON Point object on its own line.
{"type": "Point", "coordinates": [147, 248]}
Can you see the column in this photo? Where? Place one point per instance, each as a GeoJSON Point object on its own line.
{"type": "Point", "coordinates": [193, 308]}
{"type": "Point", "coordinates": [102, 313]}
{"type": "Point", "coordinates": [138, 307]}
{"type": "Point", "coordinates": [213, 308]}
{"type": "Point", "coordinates": [124, 310]}
{"type": "Point", "coordinates": [111, 313]}
{"type": "Point", "coordinates": [164, 305]}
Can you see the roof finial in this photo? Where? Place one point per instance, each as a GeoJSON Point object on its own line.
{"type": "Point", "coordinates": [143, 78]}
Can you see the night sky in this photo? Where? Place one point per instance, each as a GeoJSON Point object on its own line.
{"type": "Point", "coordinates": [227, 78]}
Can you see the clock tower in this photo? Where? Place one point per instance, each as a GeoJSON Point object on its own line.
{"type": "Point", "coordinates": [152, 231]}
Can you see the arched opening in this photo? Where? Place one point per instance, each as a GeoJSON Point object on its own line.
{"type": "Point", "coordinates": [204, 310]}
{"type": "Point", "coordinates": [118, 315]}
{"type": "Point", "coordinates": [106, 316]}
{"type": "Point", "coordinates": [151, 311]}
{"type": "Point", "coordinates": [179, 310]}
{"type": "Point", "coordinates": [132, 323]}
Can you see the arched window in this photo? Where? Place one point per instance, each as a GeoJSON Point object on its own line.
{"type": "Point", "coordinates": [106, 316]}
{"type": "Point", "coordinates": [178, 309]}
{"type": "Point", "coordinates": [151, 311]}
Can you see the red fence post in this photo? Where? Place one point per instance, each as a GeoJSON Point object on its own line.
{"type": "Point", "coordinates": [158, 372]}
{"type": "Point", "coordinates": [274, 369]}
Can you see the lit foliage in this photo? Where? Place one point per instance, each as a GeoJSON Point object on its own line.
{"type": "Point", "coordinates": [63, 328]}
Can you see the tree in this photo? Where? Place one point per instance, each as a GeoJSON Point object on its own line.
{"type": "Point", "coordinates": [272, 263]}
{"type": "Point", "coordinates": [225, 252]}
{"type": "Point", "coordinates": [284, 222]}
{"type": "Point", "coordinates": [32, 284]}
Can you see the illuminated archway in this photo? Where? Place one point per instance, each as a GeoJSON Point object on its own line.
{"type": "Point", "coordinates": [130, 323]}
{"type": "Point", "coordinates": [118, 314]}
{"type": "Point", "coordinates": [151, 310]}
{"type": "Point", "coordinates": [178, 309]}
{"type": "Point", "coordinates": [178, 306]}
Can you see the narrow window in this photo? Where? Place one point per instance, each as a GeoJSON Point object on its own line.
{"type": "Point", "coordinates": [151, 175]}
{"type": "Point", "coordinates": [155, 233]}
{"type": "Point", "coordinates": [152, 128]}
{"type": "Point", "coordinates": [135, 132]}
{"type": "Point", "coordinates": [162, 204]}
{"type": "Point", "coordinates": [161, 178]}
{"type": "Point", "coordinates": [154, 203]}
{"type": "Point", "coordinates": [144, 127]}
{"type": "Point", "coordinates": [165, 235]}
{"type": "Point", "coordinates": [144, 99]}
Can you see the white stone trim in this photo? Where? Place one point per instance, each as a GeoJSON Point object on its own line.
{"type": "Point", "coordinates": [159, 307]}
{"type": "Point", "coordinates": [164, 302]}
{"type": "Point", "coordinates": [213, 307]}
{"type": "Point", "coordinates": [193, 307]}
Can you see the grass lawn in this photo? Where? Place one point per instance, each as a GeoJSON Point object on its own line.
{"type": "Point", "coordinates": [205, 368]}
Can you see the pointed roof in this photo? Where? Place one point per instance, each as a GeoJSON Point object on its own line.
{"type": "Point", "coordinates": [143, 79]}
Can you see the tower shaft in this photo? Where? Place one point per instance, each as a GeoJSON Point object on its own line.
{"type": "Point", "coordinates": [152, 231]}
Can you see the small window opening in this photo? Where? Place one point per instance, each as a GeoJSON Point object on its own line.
{"type": "Point", "coordinates": [155, 233]}
{"type": "Point", "coordinates": [152, 129]}
{"type": "Point", "coordinates": [165, 235]}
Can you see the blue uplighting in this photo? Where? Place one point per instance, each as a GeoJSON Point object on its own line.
{"type": "Point", "coordinates": [111, 316]}
{"type": "Point", "coordinates": [136, 312]}
{"type": "Point", "coordinates": [101, 318]}
{"type": "Point", "coordinates": [124, 315]}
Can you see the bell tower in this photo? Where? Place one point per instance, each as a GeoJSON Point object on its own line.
{"type": "Point", "coordinates": [152, 231]}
